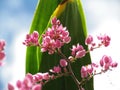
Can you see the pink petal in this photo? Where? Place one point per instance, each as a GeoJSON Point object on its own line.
{"type": "Point", "coordinates": [10, 86]}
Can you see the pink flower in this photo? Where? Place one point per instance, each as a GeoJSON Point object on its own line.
{"type": "Point", "coordinates": [88, 70]}
{"type": "Point", "coordinates": [37, 87]}
{"type": "Point", "coordinates": [78, 51]}
{"type": "Point", "coordinates": [32, 39]}
{"type": "Point", "coordinates": [105, 40]}
{"type": "Point", "coordinates": [55, 22]}
{"type": "Point", "coordinates": [80, 54]}
{"type": "Point", "coordinates": [38, 77]}
{"type": "Point", "coordinates": [46, 76]}
{"type": "Point", "coordinates": [27, 84]}
{"type": "Point", "coordinates": [10, 87]}
{"type": "Point", "coordinates": [19, 84]}
{"type": "Point", "coordinates": [2, 45]}
{"type": "Point", "coordinates": [114, 64]}
{"type": "Point", "coordinates": [94, 65]}
{"type": "Point", "coordinates": [55, 37]}
{"type": "Point", "coordinates": [29, 76]}
{"type": "Point", "coordinates": [101, 63]}
{"type": "Point", "coordinates": [57, 69]}
{"type": "Point", "coordinates": [89, 40]}
{"type": "Point", "coordinates": [84, 73]}
{"type": "Point", "coordinates": [106, 62]}
{"type": "Point", "coordinates": [63, 63]}
{"type": "Point", "coordinates": [2, 55]}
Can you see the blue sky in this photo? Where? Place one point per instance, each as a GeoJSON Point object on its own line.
{"type": "Point", "coordinates": [102, 16]}
{"type": "Point", "coordinates": [15, 20]}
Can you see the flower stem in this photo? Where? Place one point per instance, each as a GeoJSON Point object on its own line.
{"type": "Point", "coordinates": [70, 69]}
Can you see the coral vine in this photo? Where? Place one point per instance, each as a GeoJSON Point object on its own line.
{"type": "Point", "coordinates": [52, 41]}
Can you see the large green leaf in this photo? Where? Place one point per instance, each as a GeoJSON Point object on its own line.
{"type": "Point", "coordinates": [71, 15]}
{"type": "Point", "coordinates": [41, 17]}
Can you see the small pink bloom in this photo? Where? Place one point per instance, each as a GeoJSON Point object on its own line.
{"type": "Point", "coordinates": [78, 51]}
{"type": "Point", "coordinates": [107, 66]}
{"type": "Point", "coordinates": [105, 40]}
{"type": "Point", "coordinates": [89, 69]}
{"type": "Point", "coordinates": [89, 40]}
{"type": "Point", "coordinates": [101, 63]}
{"type": "Point", "coordinates": [106, 62]}
{"type": "Point", "coordinates": [32, 39]}
{"type": "Point", "coordinates": [54, 21]}
{"type": "Point", "coordinates": [19, 84]}
{"type": "Point", "coordinates": [114, 64]}
{"type": "Point", "coordinates": [2, 45]}
{"type": "Point", "coordinates": [27, 82]}
{"type": "Point", "coordinates": [57, 69]}
{"type": "Point", "coordinates": [2, 55]}
{"type": "Point", "coordinates": [38, 77]}
{"type": "Point", "coordinates": [107, 59]}
{"type": "Point", "coordinates": [10, 86]}
{"type": "Point", "coordinates": [35, 35]}
{"type": "Point", "coordinates": [74, 49]}
{"type": "Point", "coordinates": [29, 76]}
{"type": "Point", "coordinates": [80, 54]}
{"type": "Point", "coordinates": [95, 65]}
{"type": "Point", "coordinates": [63, 63]}
{"type": "Point", "coordinates": [46, 76]}
{"type": "Point", "coordinates": [37, 87]}
{"type": "Point", "coordinates": [84, 73]}
{"type": "Point", "coordinates": [67, 39]}
{"type": "Point", "coordinates": [58, 43]}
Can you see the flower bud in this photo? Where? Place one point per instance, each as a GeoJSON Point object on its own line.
{"type": "Point", "coordinates": [63, 63]}
{"type": "Point", "coordinates": [89, 40]}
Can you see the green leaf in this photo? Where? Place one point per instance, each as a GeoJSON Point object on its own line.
{"type": "Point", "coordinates": [41, 17]}
{"type": "Point", "coordinates": [71, 15]}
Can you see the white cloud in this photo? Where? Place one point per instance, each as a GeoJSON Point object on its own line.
{"type": "Point", "coordinates": [19, 52]}
{"type": "Point", "coordinates": [16, 70]}
{"type": "Point", "coordinates": [14, 23]}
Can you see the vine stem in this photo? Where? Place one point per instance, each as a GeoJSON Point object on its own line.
{"type": "Point", "coordinates": [70, 69]}
{"type": "Point", "coordinates": [60, 75]}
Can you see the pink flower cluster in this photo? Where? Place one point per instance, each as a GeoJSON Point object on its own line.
{"type": "Point", "coordinates": [35, 82]}
{"type": "Point", "coordinates": [52, 40]}
{"type": "Point", "coordinates": [55, 37]}
{"type": "Point", "coordinates": [104, 40]}
{"type": "Point", "coordinates": [106, 63]}
{"type": "Point", "coordinates": [29, 83]}
{"type": "Point", "coordinates": [78, 51]}
{"type": "Point", "coordinates": [2, 54]}
{"type": "Point", "coordinates": [32, 39]}
{"type": "Point", "coordinates": [88, 70]}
